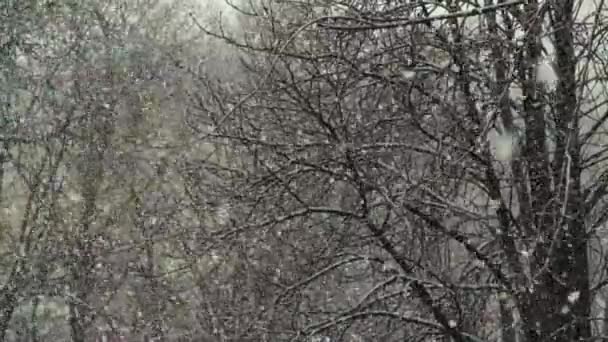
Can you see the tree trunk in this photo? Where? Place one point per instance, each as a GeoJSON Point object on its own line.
{"type": "Point", "coordinates": [507, 323]}
{"type": "Point", "coordinates": [8, 303]}
{"type": "Point", "coordinates": [76, 324]}
{"type": "Point", "coordinates": [558, 304]}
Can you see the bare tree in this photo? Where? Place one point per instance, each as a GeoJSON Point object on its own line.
{"type": "Point", "coordinates": [463, 127]}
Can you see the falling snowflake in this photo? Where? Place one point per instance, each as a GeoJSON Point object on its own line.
{"type": "Point", "coordinates": [223, 213]}
{"type": "Point", "coordinates": [408, 74]}
{"type": "Point", "coordinates": [74, 196]}
{"type": "Point", "coordinates": [505, 144]}
{"type": "Point", "coordinates": [545, 73]}
{"type": "Point", "coordinates": [573, 296]}
{"type": "Point", "coordinates": [9, 210]}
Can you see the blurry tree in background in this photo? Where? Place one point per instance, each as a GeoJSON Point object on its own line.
{"type": "Point", "coordinates": [87, 87]}
{"type": "Point", "coordinates": [303, 171]}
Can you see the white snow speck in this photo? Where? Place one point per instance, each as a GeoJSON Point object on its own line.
{"type": "Point", "coordinates": [494, 203]}
{"type": "Point", "coordinates": [9, 210]}
{"type": "Point", "coordinates": [478, 263]}
{"type": "Point", "coordinates": [408, 74]}
{"type": "Point", "coordinates": [74, 196]}
{"type": "Point", "coordinates": [452, 323]}
{"type": "Point", "coordinates": [223, 213]}
{"type": "Point", "coordinates": [545, 73]}
{"type": "Point", "coordinates": [505, 144]}
{"type": "Point", "coordinates": [573, 296]}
